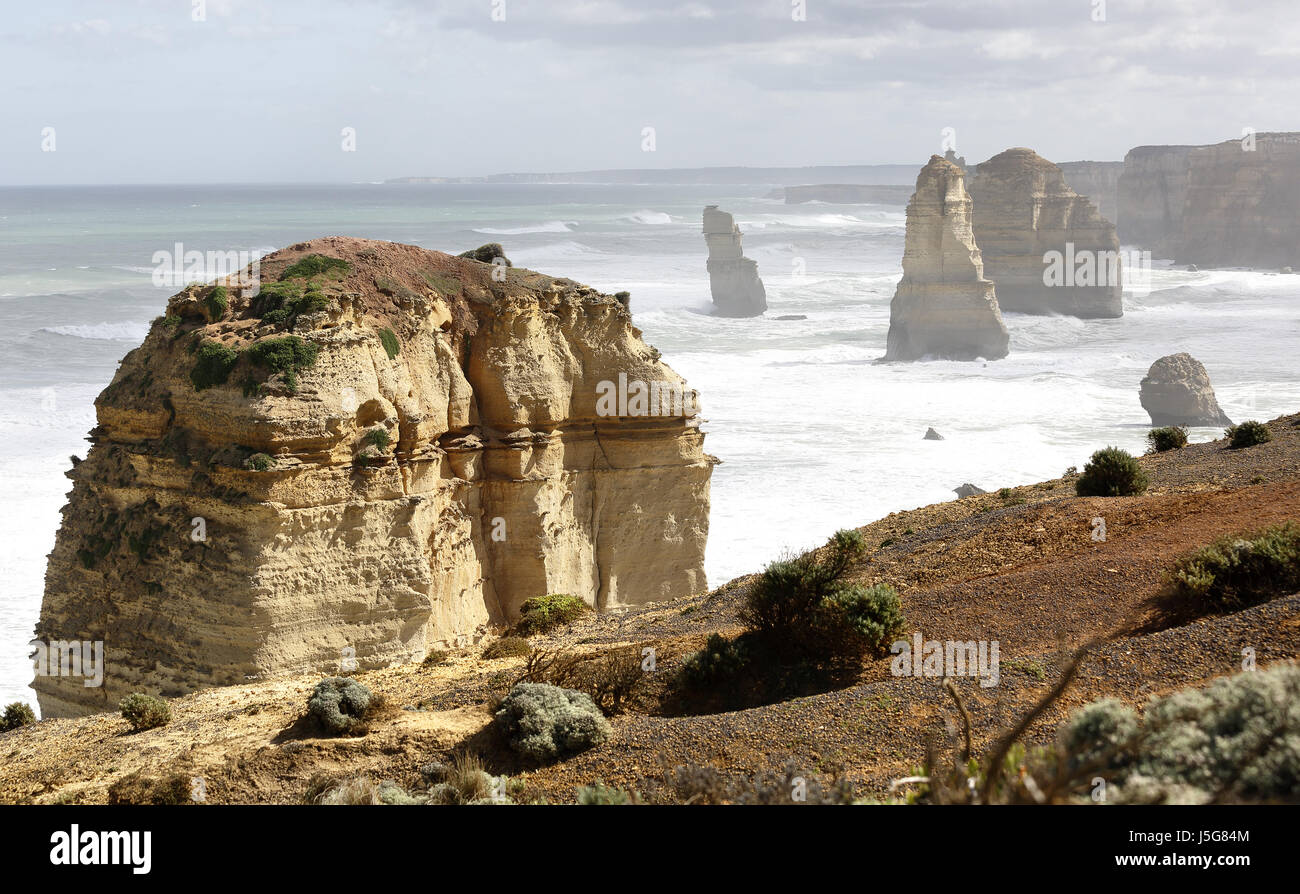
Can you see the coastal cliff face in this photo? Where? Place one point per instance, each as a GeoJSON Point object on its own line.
{"type": "Point", "coordinates": [1045, 246]}
{"type": "Point", "coordinates": [1151, 192]}
{"type": "Point", "coordinates": [943, 307]}
{"type": "Point", "coordinates": [1242, 205]}
{"type": "Point", "coordinates": [1098, 181]}
{"type": "Point", "coordinates": [380, 453]}
{"type": "Point", "coordinates": [733, 278]}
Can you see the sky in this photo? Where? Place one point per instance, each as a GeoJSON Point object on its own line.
{"type": "Point", "coordinates": [220, 91]}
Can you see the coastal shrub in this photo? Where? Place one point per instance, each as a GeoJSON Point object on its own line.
{"type": "Point", "coordinates": [16, 714]}
{"type": "Point", "coordinates": [540, 614]}
{"type": "Point", "coordinates": [1170, 437]}
{"type": "Point", "coordinates": [599, 793]}
{"type": "Point", "coordinates": [542, 722]}
{"type": "Point", "coordinates": [1111, 472]}
{"type": "Point", "coordinates": [508, 647]}
{"type": "Point", "coordinates": [259, 462]}
{"type": "Point", "coordinates": [145, 711]}
{"type": "Point", "coordinates": [720, 661]}
{"type": "Point", "coordinates": [612, 678]}
{"type": "Point", "coordinates": [216, 303]}
{"type": "Point", "coordinates": [315, 265]}
{"type": "Point", "coordinates": [286, 356]}
{"type": "Point", "coordinates": [213, 366]}
{"type": "Point", "coordinates": [1238, 571]}
{"type": "Point", "coordinates": [803, 609]}
{"type": "Point", "coordinates": [272, 297]}
{"type": "Point", "coordinates": [463, 781]}
{"type": "Point", "coordinates": [487, 253]}
{"type": "Point", "coordinates": [377, 437]}
{"type": "Point", "coordinates": [340, 704]}
{"type": "Point", "coordinates": [388, 338]}
{"type": "Point", "coordinates": [1247, 434]}
{"type": "Point", "coordinates": [1239, 736]}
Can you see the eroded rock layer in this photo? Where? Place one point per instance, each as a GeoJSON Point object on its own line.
{"type": "Point", "coordinates": [384, 450]}
{"type": "Point", "coordinates": [1044, 245]}
{"type": "Point", "coordinates": [733, 278]}
{"type": "Point", "coordinates": [943, 307]}
{"type": "Point", "coordinates": [1098, 181]}
{"type": "Point", "coordinates": [1150, 195]}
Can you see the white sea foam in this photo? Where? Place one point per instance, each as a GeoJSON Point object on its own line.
{"type": "Point", "coordinates": [654, 218]}
{"type": "Point", "coordinates": [133, 332]}
{"type": "Point", "coordinates": [551, 226]}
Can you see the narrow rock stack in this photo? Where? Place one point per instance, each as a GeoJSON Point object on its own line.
{"type": "Point", "coordinates": [733, 278]}
{"type": "Point", "coordinates": [1177, 391]}
{"type": "Point", "coordinates": [1045, 246]}
{"type": "Point", "coordinates": [378, 453]}
{"type": "Point", "coordinates": [944, 307]}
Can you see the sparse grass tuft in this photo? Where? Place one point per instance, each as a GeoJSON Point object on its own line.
{"type": "Point", "coordinates": [392, 347]}
{"type": "Point", "coordinates": [315, 265]}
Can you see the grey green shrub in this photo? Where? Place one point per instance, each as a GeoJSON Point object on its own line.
{"type": "Point", "coordinates": [1239, 570]}
{"type": "Point", "coordinates": [542, 722]}
{"type": "Point", "coordinates": [1111, 472]}
{"type": "Point", "coordinates": [1170, 437]}
{"type": "Point", "coordinates": [340, 704]}
{"type": "Point", "coordinates": [145, 711]}
{"type": "Point", "coordinates": [1247, 434]}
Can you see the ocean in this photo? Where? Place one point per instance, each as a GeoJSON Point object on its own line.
{"type": "Point", "coordinates": [813, 434]}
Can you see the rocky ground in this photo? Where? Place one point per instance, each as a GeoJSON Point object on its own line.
{"type": "Point", "coordinates": [1018, 566]}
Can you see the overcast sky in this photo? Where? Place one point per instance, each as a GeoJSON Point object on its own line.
{"type": "Point", "coordinates": [138, 91]}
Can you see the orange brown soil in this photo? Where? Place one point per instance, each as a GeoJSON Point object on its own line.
{"type": "Point", "coordinates": [1020, 568]}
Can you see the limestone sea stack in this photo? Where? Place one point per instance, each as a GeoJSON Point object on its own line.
{"type": "Point", "coordinates": [1177, 391]}
{"type": "Point", "coordinates": [1099, 182]}
{"type": "Point", "coordinates": [380, 452]}
{"type": "Point", "coordinates": [1242, 204]}
{"type": "Point", "coordinates": [943, 307]}
{"type": "Point", "coordinates": [733, 278]}
{"type": "Point", "coordinates": [1045, 246]}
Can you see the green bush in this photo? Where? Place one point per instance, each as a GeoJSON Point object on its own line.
{"type": "Point", "coordinates": [16, 714]}
{"type": "Point", "coordinates": [259, 462]}
{"type": "Point", "coordinates": [1238, 571]}
{"type": "Point", "coordinates": [315, 265]}
{"type": "Point", "coordinates": [1171, 437]}
{"type": "Point", "coordinates": [487, 253]}
{"type": "Point", "coordinates": [287, 356]}
{"type": "Point", "coordinates": [719, 662]}
{"type": "Point", "coordinates": [508, 647]}
{"type": "Point", "coordinates": [377, 437]}
{"type": "Point", "coordinates": [542, 613]}
{"type": "Point", "coordinates": [216, 303]}
{"type": "Point", "coordinates": [1247, 434]}
{"type": "Point", "coordinates": [215, 361]}
{"type": "Point", "coordinates": [542, 722]}
{"type": "Point", "coordinates": [801, 607]}
{"type": "Point", "coordinates": [388, 338]}
{"type": "Point", "coordinates": [1111, 472]}
{"type": "Point", "coordinates": [145, 711]}
{"type": "Point", "coordinates": [340, 704]}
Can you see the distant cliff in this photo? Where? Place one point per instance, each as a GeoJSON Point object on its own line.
{"type": "Point", "coordinates": [1242, 204]}
{"type": "Point", "coordinates": [1150, 196]}
{"type": "Point", "coordinates": [381, 450]}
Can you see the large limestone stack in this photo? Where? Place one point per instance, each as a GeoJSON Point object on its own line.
{"type": "Point", "coordinates": [257, 527]}
{"type": "Point", "coordinates": [733, 278]}
{"type": "Point", "coordinates": [1150, 196]}
{"type": "Point", "coordinates": [1242, 204]}
{"type": "Point", "coordinates": [1177, 391]}
{"type": "Point", "coordinates": [943, 307]}
{"type": "Point", "coordinates": [1026, 221]}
